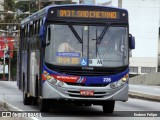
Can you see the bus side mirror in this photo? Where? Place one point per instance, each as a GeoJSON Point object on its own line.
{"type": "Point", "coordinates": [131, 42]}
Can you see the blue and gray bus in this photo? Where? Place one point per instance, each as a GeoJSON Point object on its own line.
{"type": "Point", "coordinates": [77, 54]}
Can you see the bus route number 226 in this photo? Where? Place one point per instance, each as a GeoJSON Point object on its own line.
{"type": "Point", "coordinates": [107, 80]}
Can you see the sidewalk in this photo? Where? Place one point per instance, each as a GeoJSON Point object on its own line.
{"type": "Point", "coordinates": [145, 92]}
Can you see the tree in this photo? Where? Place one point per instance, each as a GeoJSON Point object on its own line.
{"type": "Point", "coordinates": [27, 6]}
{"type": "Point", "coordinates": [9, 5]}
{"type": "Point", "coordinates": [7, 17]}
{"type": "Point", "coordinates": [63, 2]}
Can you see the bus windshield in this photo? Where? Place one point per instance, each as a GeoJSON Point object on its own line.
{"type": "Point", "coordinates": [87, 45]}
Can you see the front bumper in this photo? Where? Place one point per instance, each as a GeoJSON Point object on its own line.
{"type": "Point", "coordinates": [71, 92]}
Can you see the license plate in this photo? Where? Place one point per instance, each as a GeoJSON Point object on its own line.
{"type": "Point", "coordinates": [87, 92]}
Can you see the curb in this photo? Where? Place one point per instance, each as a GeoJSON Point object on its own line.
{"type": "Point", "coordinates": [144, 96]}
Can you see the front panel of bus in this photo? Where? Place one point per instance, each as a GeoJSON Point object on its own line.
{"type": "Point", "coordinates": [86, 54]}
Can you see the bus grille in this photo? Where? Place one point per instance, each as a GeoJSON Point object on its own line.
{"type": "Point", "coordinates": [97, 93]}
{"type": "Point", "coordinates": [90, 85]}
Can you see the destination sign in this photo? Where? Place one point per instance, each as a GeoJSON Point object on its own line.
{"type": "Point", "coordinates": [88, 14]}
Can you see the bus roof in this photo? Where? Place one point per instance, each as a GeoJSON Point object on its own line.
{"type": "Point", "coordinates": [44, 11]}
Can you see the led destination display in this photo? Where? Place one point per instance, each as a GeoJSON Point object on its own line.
{"type": "Point", "coordinates": [88, 14]}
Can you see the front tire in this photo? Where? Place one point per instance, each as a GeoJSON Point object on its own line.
{"type": "Point", "coordinates": [108, 107]}
{"type": "Point", "coordinates": [26, 100]}
{"type": "Point", "coordinates": [43, 105]}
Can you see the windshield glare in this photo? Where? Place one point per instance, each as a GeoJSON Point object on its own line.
{"type": "Point", "coordinates": [66, 50]}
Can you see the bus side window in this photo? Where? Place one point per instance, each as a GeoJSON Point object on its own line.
{"type": "Point", "coordinates": [24, 39]}
{"type": "Point", "coordinates": [33, 29]}
{"type": "Point", "coordinates": [38, 26]}
{"type": "Point", "coordinates": [27, 32]}
{"type": "Point", "coordinates": [30, 31]}
{"type": "Point", "coordinates": [41, 22]}
{"type": "Point", "coordinates": [22, 31]}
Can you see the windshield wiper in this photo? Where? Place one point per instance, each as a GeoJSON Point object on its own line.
{"type": "Point", "coordinates": [74, 32]}
{"type": "Point", "coordinates": [103, 33]}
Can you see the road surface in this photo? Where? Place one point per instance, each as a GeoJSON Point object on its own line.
{"type": "Point", "coordinates": [10, 93]}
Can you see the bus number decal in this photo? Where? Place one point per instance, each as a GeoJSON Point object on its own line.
{"type": "Point", "coordinates": [107, 80]}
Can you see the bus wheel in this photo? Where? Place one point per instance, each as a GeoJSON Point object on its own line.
{"type": "Point", "coordinates": [108, 106]}
{"type": "Point", "coordinates": [43, 105]}
{"type": "Point", "coordinates": [34, 101]}
{"type": "Point", "coordinates": [26, 100]}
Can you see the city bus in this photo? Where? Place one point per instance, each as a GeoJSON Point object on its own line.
{"type": "Point", "coordinates": [75, 54]}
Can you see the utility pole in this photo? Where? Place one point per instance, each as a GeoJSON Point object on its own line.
{"type": "Point", "coordinates": [4, 57]}
{"type": "Point", "coordinates": [52, 1]}
{"type": "Point", "coordinates": [4, 68]}
{"type": "Point", "coordinates": [29, 7]}
{"type": "Point", "coordinates": [9, 69]}
{"type": "Point", "coordinates": [4, 62]}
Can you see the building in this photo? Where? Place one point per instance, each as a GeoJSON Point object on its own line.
{"type": "Point", "coordinates": [90, 2]}
{"type": "Point", "coordinates": [106, 3]}
{"type": "Point", "coordinates": [144, 20]}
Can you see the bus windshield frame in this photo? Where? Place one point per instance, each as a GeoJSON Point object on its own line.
{"type": "Point", "coordinates": [86, 44]}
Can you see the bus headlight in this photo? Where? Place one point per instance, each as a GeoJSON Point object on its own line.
{"type": "Point", "coordinates": [119, 83]}
{"type": "Point", "coordinates": [52, 81]}
{"type": "Point", "coordinates": [60, 84]}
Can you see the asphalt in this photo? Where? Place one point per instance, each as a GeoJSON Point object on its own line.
{"type": "Point", "coordinates": [145, 92]}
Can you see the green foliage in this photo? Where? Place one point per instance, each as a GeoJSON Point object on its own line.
{"type": "Point", "coordinates": [27, 6]}
{"type": "Point", "coordinates": [44, 4]}
{"type": "Point", "coordinates": [9, 5]}
{"type": "Point", "coordinates": [22, 6]}
{"type": "Point", "coordinates": [63, 2]}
